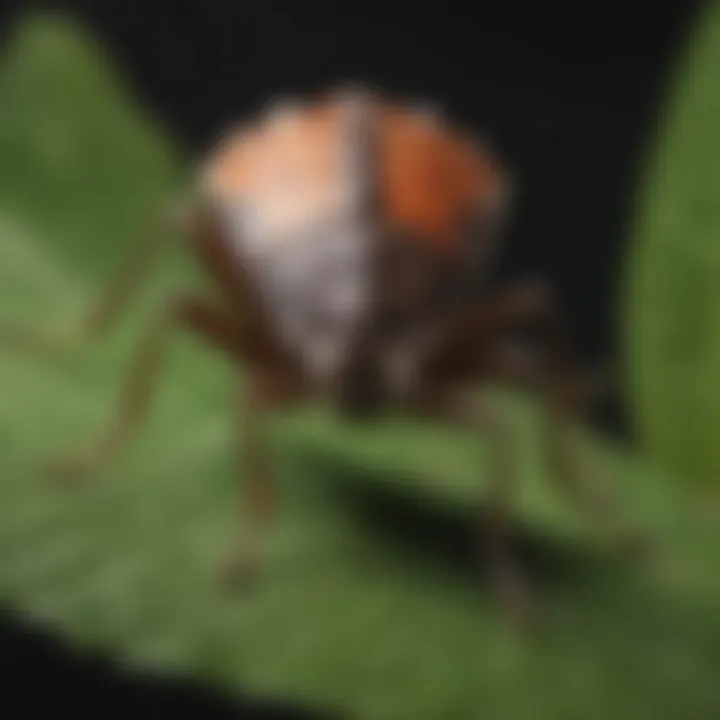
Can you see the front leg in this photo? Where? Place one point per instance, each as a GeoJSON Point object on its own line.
{"type": "Point", "coordinates": [259, 394]}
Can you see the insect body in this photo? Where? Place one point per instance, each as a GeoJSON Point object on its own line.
{"type": "Point", "coordinates": [349, 240]}
{"type": "Point", "coordinates": [357, 221]}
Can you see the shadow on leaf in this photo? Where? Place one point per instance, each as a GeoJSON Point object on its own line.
{"type": "Point", "coordinates": [444, 535]}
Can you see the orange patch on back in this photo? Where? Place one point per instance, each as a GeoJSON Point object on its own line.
{"type": "Point", "coordinates": [431, 178]}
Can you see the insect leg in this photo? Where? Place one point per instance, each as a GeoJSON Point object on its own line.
{"type": "Point", "coordinates": [258, 500]}
{"type": "Point", "coordinates": [194, 314]}
{"type": "Point", "coordinates": [497, 526]}
{"type": "Point", "coordinates": [566, 393]}
{"type": "Point", "coordinates": [496, 533]}
{"type": "Point", "coordinates": [106, 309]}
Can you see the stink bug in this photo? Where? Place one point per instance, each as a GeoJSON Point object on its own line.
{"type": "Point", "coordinates": [350, 238]}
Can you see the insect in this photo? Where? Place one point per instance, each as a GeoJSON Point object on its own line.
{"type": "Point", "coordinates": [348, 239]}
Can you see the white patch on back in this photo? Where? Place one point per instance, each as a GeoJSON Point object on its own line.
{"type": "Point", "coordinates": [310, 251]}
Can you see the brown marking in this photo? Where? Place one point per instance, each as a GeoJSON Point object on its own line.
{"type": "Point", "coordinates": [214, 252]}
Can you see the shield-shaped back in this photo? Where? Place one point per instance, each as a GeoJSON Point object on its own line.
{"type": "Point", "coordinates": [357, 215]}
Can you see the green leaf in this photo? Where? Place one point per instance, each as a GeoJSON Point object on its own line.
{"type": "Point", "coordinates": [673, 276]}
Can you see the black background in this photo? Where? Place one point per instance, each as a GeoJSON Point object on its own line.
{"type": "Point", "coordinates": [570, 95]}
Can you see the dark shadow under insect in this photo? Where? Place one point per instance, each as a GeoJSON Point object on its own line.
{"type": "Point", "coordinates": [444, 536]}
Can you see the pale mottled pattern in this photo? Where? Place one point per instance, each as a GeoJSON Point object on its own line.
{"type": "Point", "coordinates": [297, 225]}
